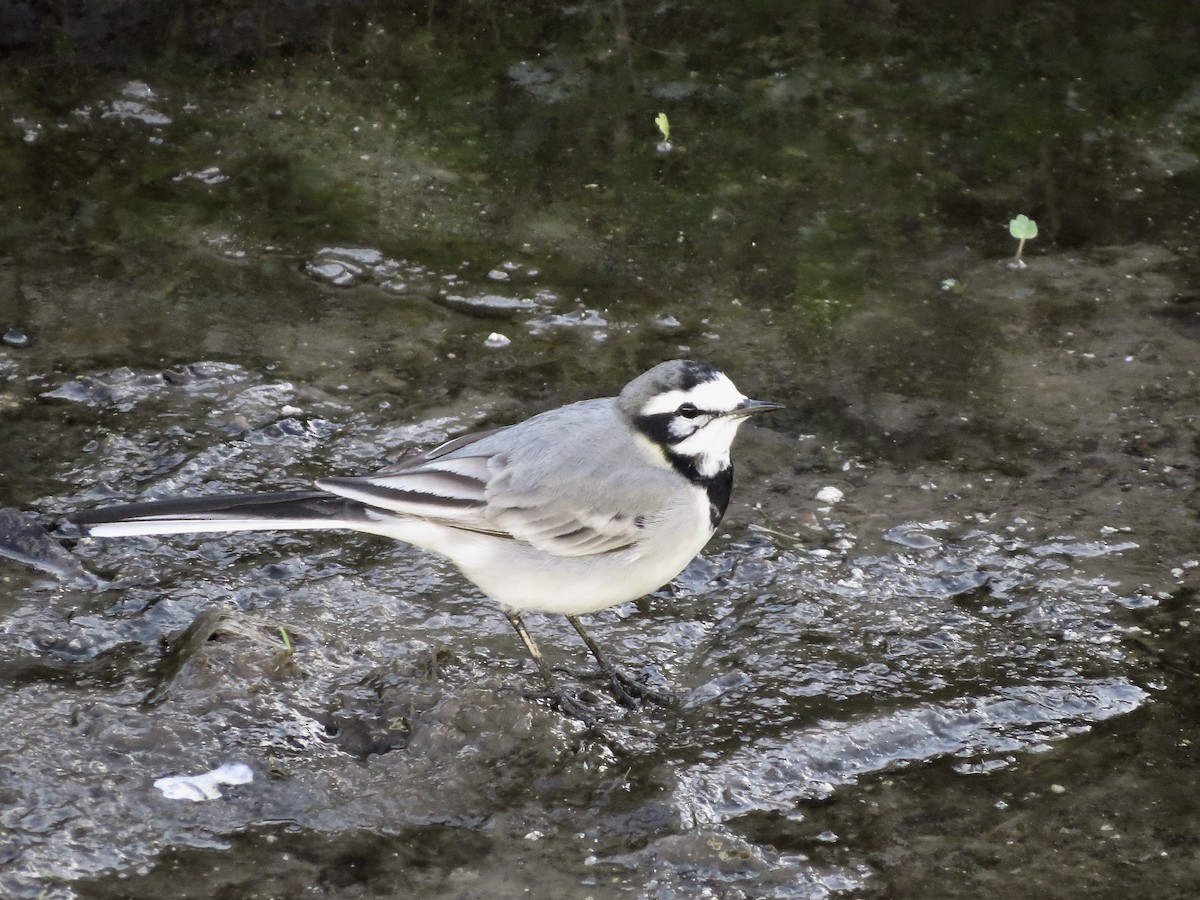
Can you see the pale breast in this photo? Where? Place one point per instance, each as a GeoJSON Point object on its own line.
{"type": "Point", "coordinates": [520, 577]}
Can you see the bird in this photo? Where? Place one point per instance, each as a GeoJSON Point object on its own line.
{"type": "Point", "coordinates": [571, 511]}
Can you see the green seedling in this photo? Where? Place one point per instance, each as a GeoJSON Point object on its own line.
{"type": "Point", "coordinates": [287, 641]}
{"type": "Point", "coordinates": [664, 125]}
{"type": "Point", "coordinates": [1023, 229]}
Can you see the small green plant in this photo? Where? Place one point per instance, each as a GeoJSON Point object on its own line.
{"type": "Point", "coordinates": [664, 125]}
{"type": "Point", "coordinates": [1023, 229]}
{"type": "Point", "coordinates": [283, 663]}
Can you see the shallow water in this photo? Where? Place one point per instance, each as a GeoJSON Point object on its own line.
{"type": "Point", "coordinates": [966, 673]}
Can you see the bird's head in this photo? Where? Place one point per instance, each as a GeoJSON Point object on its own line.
{"type": "Point", "coordinates": [691, 411]}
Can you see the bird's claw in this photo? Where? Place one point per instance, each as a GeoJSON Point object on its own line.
{"type": "Point", "coordinates": [631, 693]}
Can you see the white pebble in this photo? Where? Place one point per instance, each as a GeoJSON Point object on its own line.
{"type": "Point", "coordinates": [198, 788]}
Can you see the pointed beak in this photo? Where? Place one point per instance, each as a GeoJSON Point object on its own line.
{"type": "Point", "coordinates": [750, 407]}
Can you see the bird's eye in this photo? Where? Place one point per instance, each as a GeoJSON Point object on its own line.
{"type": "Point", "coordinates": [688, 410]}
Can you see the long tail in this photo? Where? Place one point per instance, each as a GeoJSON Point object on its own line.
{"type": "Point", "coordinates": [282, 510]}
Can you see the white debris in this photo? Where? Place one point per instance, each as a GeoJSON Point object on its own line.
{"type": "Point", "coordinates": [138, 90]}
{"type": "Point", "coordinates": [211, 175]}
{"type": "Point", "coordinates": [496, 340]}
{"type": "Point", "coordinates": [204, 787]}
{"type": "Point", "coordinates": [830, 494]}
{"type": "Point", "coordinates": [132, 110]}
{"type": "Point", "coordinates": [32, 130]}
{"type": "Point", "coordinates": [368, 256]}
{"type": "Point", "coordinates": [334, 271]}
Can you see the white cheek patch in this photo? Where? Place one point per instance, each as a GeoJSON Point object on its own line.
{"type": "Point", "coordinates": [681, 428]}
{"type": "Point", "coordinates": [718, 395]}
{"type": "Point", "coordinates": [709, 446]}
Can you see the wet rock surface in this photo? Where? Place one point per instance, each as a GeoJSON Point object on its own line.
{"type": "Point", "coordinates": [986, 607]}
{"type": "Point", "coordinates": [943, 644]}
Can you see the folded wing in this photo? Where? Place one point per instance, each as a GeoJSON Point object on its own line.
{"type": "Point", "coordinates": [472, 485]}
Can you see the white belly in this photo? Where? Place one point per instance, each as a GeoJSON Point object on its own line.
{"type": "Point", "coordinates": [521, 577]}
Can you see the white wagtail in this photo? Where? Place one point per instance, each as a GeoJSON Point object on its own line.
{"type": "Point", "coordinates": [575, 509]}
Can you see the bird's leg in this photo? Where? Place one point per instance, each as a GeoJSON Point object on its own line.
{"type": "Point", "coordinates": [565, 702]}
{"type": "Point", "coordinates": [627, 690]}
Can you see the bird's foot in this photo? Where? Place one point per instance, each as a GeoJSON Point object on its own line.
{"type": "Point", "coordinates": [572, 705]}
{"type": "Point", "coordinates": [576, 708]}
{"type": "Point", "coordinates": [631, 693]}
